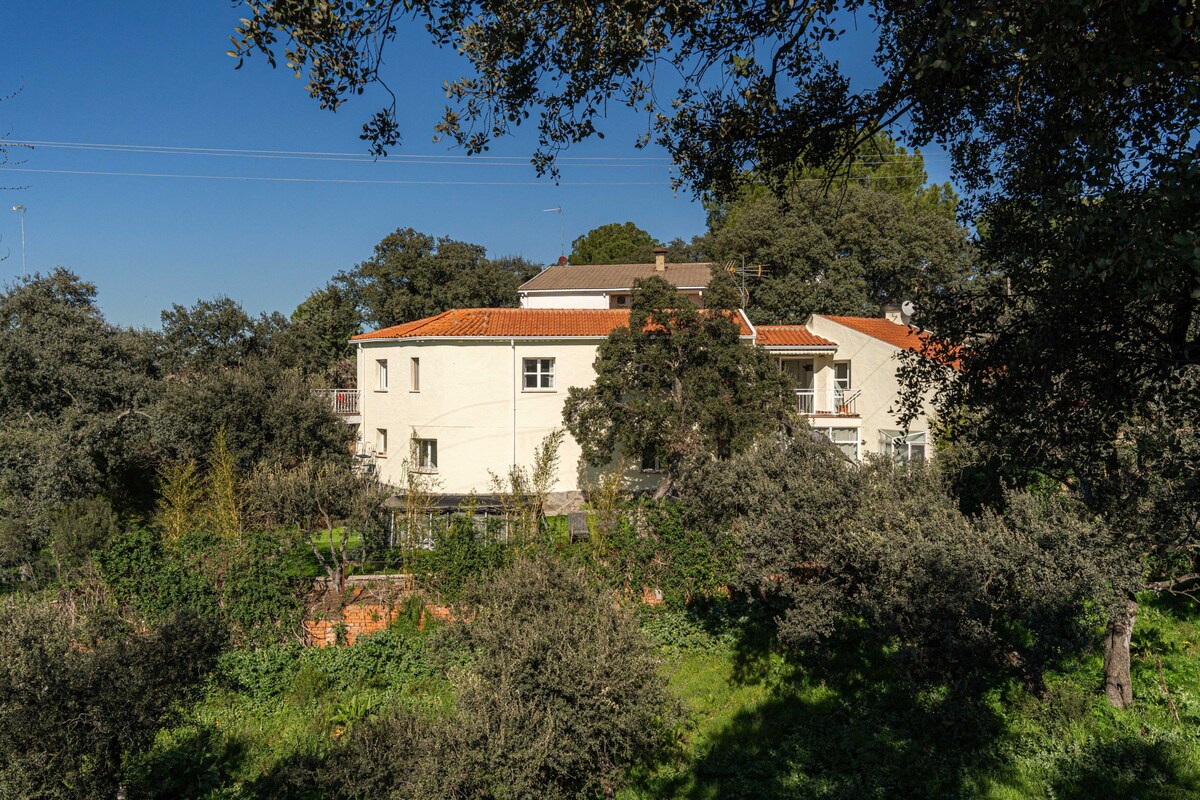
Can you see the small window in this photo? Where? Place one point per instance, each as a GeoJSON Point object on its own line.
{"type": "Point", "coordinates": [381, 371]}
{"type": "Point", "coordinates": [414, 375]}
{"type": "Point", "coordinates": [650, 460]}
{"type": "Point", "coordinates": [904, 449]}
{"type": "Point", "coordinates": [841, 375]}
{"type": "Point", "coordinates": [538, 374]}
{"type": "Point", "coordinates": [425, 454]}
{"type": "Point", "coordinates": [381, 441]}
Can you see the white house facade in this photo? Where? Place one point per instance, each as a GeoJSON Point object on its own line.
{"type": "Point", "coordinates": [469, 392]}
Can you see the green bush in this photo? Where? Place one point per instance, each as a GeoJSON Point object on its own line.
{"type": "Point", "coordinates": [80, 696]}
{"type": "Point", "coordinates": [653, 545]}
{"type": "Point", "coordinates": [462, 557]}
{"type": "Point", "coordinates": [251, 582]}
{"type": "Point", "coordinates": [560, 696]}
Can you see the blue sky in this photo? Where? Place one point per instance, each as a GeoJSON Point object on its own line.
{"type": "Point", "coordinates": [152, 73]}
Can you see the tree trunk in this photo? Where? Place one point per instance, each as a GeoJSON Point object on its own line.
{"type": "Point", "coordinates": [1117, 683]}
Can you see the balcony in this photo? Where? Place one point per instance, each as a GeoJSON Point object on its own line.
{"type": "Point", "coordinates": [835, 402]}
{"type": "Point", "coordinates": [343, 402]}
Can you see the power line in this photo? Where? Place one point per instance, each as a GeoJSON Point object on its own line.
{"type": "Point", "coordinates": [323, 180]}
{"type": "Point", "coordinates": [331, 155]}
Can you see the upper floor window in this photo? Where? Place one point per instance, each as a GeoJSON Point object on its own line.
{"type": "Point", "coordinates": [841, 374]}
{"type": "Point", "coordinates": [381, 373]}
{"type": "Point", "coordinates": [414, 375]}
{"type": "Point", "coordinates": [538, 374]}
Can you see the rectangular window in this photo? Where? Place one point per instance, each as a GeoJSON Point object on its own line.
{"type": "Point", "coordinates": [425, 455]}
{"type": "Point", "coordinates": [538, 374]}
{"type": "Point", "coordinates": [841, 374]}
{"type": "Point", "coordinates": [650, 462]}
{"type": "Point", "coordinates": [846, 440]}
{"type": "Point", "coordinates": [381, 441]}
{"type": "Point", "coordinates": [904, 449]}
{"type": "Point", "coordinates": [414, 375]}
{"type": "Point", "coordinates": [381, 371]}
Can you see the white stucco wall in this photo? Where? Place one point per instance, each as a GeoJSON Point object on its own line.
{"type": "Point", "coordinates": [873, 365]}
{"type": "Point", "coordinates": [466, 402]}
{"type": "Point", "coordinates": [579, 299]}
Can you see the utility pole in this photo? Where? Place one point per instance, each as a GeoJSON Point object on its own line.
{"type": "Point", "coordinates": [21, 210]}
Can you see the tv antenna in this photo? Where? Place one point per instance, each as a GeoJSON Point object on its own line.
{"type": "Point", "coordinates": [562, 220]}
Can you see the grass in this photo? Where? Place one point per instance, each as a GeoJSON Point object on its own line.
{"type": "Point", "coordinates": [763, 727]}
{"type": "Point", "coordinates": [759, 725]}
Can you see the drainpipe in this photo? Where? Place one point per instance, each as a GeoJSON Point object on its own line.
{"type": "Point", "coordinates": [513, 345]}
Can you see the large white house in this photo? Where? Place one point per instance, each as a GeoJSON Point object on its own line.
{"type": "Point", "coordinates": [472, 391]}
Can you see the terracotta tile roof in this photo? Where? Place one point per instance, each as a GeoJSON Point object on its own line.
{"type": "Point", "coordinates": [542, 322]}
{"type": "Point", "coordinates": [614, 276]}
{"type": "Point", "coordinates": [906, 337]}
{"type": "Point", "coordinates": [790, 336]}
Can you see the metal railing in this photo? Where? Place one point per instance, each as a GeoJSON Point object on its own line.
{"type": "Point", "coordinates": [344, 402]}
{"type": "Point", "coordinates": [838, 401]}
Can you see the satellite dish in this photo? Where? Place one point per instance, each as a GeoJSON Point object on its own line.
{"type": "Point", "coordinates": [907, 308]}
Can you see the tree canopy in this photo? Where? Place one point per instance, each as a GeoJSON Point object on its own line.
{"type": "Point", "coordinates": [414, 275]}
{"type": "Point", "coordinates": [677, 385]}
{"type": "Point", "coordinates": [614, 243]}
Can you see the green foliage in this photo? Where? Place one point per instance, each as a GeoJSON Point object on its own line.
{"type": "Point", "coordinates": [213, 334]}
{"type": "Point", "coordinates": [73, 390]}
{"type": "Point", "coordinates": [390, 659]}
{"type": "Point", "coordinates": [655, 547]}
{"type": "Point", "coordinates": [318, 338]}
{"type": "Point", "coordinates": [82, 695]}
{"type": "Point", "coordinates": [963, 601]}
{"type": "Point", "coordinates": [414, 275]}
{"type": "Point", "coordinates": [560, 696]}
{"type": "Point", "coordinates": [615, 243]}
{"type": "Point", "coordinates": [222, 494]}
{"type": "Point", "coordinates": [677, 385]}
{"type": "Point", "coordinates": [250, 584]}
{"type": "Point", "coordinates": [462, 556]}
{"type": "Point", "coordinates": [844, 253]}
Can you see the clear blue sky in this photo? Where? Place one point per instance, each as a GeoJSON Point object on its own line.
{"type": "Point", "coordinates": [147, 72]}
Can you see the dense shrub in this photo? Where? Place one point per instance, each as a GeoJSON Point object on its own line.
{"type": "Point", "coordinates": [388, 659]}
{"type": "Point", "coordinates": [560, 696]}
{"type": "Point", "coordinates": [654, 545]}
{"type": "Point", "coordinates": [958, 599]}
{"type": "Point", "coordinates": [81, 693]}
{"type": "Point", "coordinates": [250, 582]}
{"type": "Point", "coordinates": [462, 557]}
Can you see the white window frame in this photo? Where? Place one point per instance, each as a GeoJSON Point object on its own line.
{"type": "Point", "coordinates": [900, 448]}
{"type": "Point", "coordinates": [538, 373]}
{"type": "Point", "coordinates": [424, 455]}
{"type": "Point", "coordinates": [827, 432]}
{"type": "Point", "coordinates": [381, 374]}
{"type": "Point", "coordinates": [414, 374]}
{"type": "Point", "coordinates": [381, 443]}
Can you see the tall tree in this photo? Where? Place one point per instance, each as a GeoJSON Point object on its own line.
{"type": "Point", "coordinates": [842, 253]}
{"type": "Point", "coordinates": [414, 275]}
{"type": "Point", "coordinates": [614, 243]}
{"type": "Point", "coordinates": [677, 386]}
{"type": "Point", "coordinates": [215, 333]}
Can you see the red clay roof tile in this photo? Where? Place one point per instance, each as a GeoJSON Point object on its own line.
{"type": "Point", "coordinates": [790, 336]}
{"type": "Point", "coordinates": [503, 322]}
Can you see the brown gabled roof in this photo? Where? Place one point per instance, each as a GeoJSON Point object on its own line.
{"type": "Point", "coordinates": [503, 322]}
{"type": "Point", "coordinates": [906, 337]}
{"type": "Point", "coordinates": [615, 276]}
{"type": "Point", "coordinates": [790, 336]}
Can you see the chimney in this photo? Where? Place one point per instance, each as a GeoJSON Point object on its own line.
{"type": "Point", "coordinates": [899, 313]}
{"type": "Point", "coordinates": [660, 259]}
{"type": "Point", "coordinates": [562, 261]}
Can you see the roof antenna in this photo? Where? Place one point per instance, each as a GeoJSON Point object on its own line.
{"type": "Point", "coordinates": [562, 219]}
